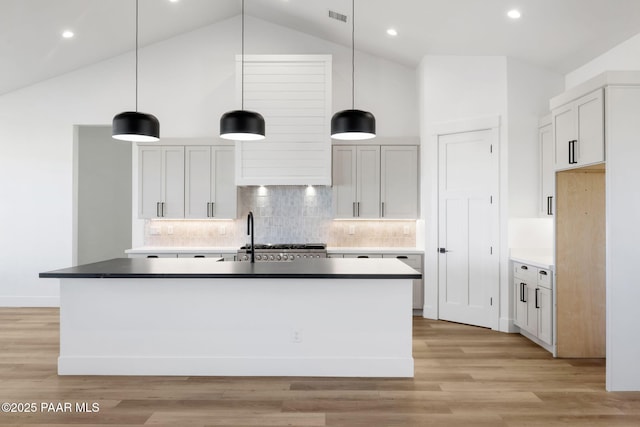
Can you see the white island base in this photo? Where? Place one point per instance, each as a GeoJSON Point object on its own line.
{"type": "Point", "coordinates": [236, 327]}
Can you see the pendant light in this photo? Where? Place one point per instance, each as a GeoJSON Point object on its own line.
{"type": "Point", "coordinates": [133, 125]}
{"type": "Point", "coordinates": [353, 124]}
{"type": "Point", "coordinates": [242, 125]}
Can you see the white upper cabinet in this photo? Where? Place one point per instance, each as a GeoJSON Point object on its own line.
{"type": "Point", "coordinates": [372, 181]}
{"type": "Point", "coordinates": [210, 190]}
{"type": "Point", "coordinates": [399, 181]}
{"type": "Point", "coordinates": [547, 168]}
{"type": "Point", "coordinates": [578, 130]}
{"type": "Point", "coordinates": [293, 94]}
{"type": "Point", "coordinates": [161, 182]}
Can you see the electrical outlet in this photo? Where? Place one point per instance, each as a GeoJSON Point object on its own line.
{"type": "Point", "coordinates": [155, 230]}
{"type": "Point", "coordinates": [222, 230]}
{"type": "Point", "coordinates": [405, 230]}
{"type": "Point", "coordinates": [169, 229]}
{"type": "Point", "coordinates": [352, 229]}
{"type": "Point", "coordinates": [296, 336]}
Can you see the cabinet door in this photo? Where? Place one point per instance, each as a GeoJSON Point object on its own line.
{"type": "Point", "coordinates": [399, 181]}
{"type": "Point", "coordinates": [149, 182]}
{"type": "Point", "coordinates": [344, 181]}
{"type": "Point", "coordinates": [544, 315]}
{"type": "Point", "coordinates": [197, 181]}
{"type": "Point", "coordinates": [563, 121]}
{"type": "Point", "coordinates": [224, 194]}
{"type": "Point", "coordinates": [368, 182]}
{"type": "Point", "coordinates": [173, 182]}
{"type": "Point", "coordinates": [532, 312]}
{"type": "Point", "coordinates": [590, 128]}
{"type": "Point", "coordinates": [547, 171]}
{"type": "Point", "coordinates": [520, 314]}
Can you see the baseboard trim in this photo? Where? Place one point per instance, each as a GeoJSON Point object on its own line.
{"type": "Point", "coordinates": [236, 366]}
{"type": "Point", "coordinates": [29, 301]}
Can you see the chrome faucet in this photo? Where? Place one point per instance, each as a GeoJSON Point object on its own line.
{"type": "Point", "coordinates": [250, 233]}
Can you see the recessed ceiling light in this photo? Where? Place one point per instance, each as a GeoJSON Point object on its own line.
{"type": "Point", "coordinates": [67, 34]}
{"type": "Point", "coordinates": [514, 14]}
{"type": "Point", "coordinates": [392, 32]}
{"type": "Point", "coordinates": [174, 1]}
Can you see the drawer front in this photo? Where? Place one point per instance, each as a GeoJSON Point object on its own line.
{"type": "Point", "coordinates": [153, 255]}
{"type": "Point", "coordinates": [544, 278]}
{"type": "Point", "coordinates": [362, 255]}
{"type": "Point", "coordinates": [335, 256]}
{"type": "Point", "coordinates": [413, 261]}
{"type": "Point", "coordinates": [525, 272]}
{"type": "Point", "coordinates": [199, 256]}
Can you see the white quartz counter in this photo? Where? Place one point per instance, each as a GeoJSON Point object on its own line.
{"type": "Point", "coordinates": [542, 258]}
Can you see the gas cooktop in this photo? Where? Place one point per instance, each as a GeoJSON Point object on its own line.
{"type": "Point", "coordinates": [286, 246]}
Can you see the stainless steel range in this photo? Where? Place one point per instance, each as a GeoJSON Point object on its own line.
{"type": "Point", "coordinates": [283, 252]}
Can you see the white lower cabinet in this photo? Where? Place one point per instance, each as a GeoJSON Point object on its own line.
{"type": "Point", "coordinates": [153, 255]}
{"type": "Point", "coordinates": [533, 302]}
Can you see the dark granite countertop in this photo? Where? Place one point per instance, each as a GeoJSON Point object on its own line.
{"type": "Point", "coordinates": [212, 268]}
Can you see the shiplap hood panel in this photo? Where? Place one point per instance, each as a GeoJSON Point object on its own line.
{"type": "Point", "coordinates": [293, 93]}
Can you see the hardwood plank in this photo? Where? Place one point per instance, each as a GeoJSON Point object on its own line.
{"type": "Point", "coordinates": [464, 376]}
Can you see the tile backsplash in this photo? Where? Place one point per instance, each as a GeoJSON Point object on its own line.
{"type": "Point", "coordinates": [283, 214]}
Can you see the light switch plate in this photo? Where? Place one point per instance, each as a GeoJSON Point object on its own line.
{"type": "Point", "coordinates": [352, 229]}
{"type": "Point", "coordinates": [222, 230]}
{"type": "Point", "coordinates": [155, 230]}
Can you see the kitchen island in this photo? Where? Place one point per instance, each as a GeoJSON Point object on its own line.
{"type": "Point", "coordinates": [325, 317]}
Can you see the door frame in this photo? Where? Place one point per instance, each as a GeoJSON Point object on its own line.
{"type": "Point", "coordinates": [430, 213]}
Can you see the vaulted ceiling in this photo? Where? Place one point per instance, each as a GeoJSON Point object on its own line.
{"type": "Point", "coordinates": [556, 34]}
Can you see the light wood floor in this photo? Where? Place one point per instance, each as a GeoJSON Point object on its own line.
{"type": "Point", "coordinates": [465, 376]}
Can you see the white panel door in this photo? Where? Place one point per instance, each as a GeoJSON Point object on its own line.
{"type": "Point", "coordinates": [547, 171]}
{"type": "Point", "coordinates": [198, 181]}
{"type": "Point", "coordinates": [149, 182]}
{"type": "Point", "coordinates": [468, 228]}
{"type": "Point", "coordinates": [173, 182]}
{"type": "Point", "coordinates": [368, 181]}
{"type": "Point", "coordinates": [590, 128]}
{"type": "Point", "coordinates": [344, 181]}
{"type": "Point", "coordinates": [224, 191]}
{"type": "Point", "coordinates": [399, 181]}
{"type": "Point", "coordinates": [563, 133]}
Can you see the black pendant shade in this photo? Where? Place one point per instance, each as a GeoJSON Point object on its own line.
{"type": "Point", "coordinates": [135, 126]}
{"type": "Point", "coordinates": [242, 125]}
{"type": "Point", "coordinates": [353, 125]}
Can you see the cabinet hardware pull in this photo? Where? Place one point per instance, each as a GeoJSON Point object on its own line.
{"type": "Point", "coordinates": [158, 209]}
{"type": "Point", "coordinates": [363, 256]}
{"type": "Point", "coordinates": [162, 209]}
{"type": "Point", "coordinates": [354, 209]}
{"type": "Point", "coordinates": [198, 256]}
{"type": "Point", "coordinates": [208, 210]}
{"type": "Point", "coordinates": [152, 256]}
{"type": "Point", "coordinates": [537, 290]}
{"type": "Point", "coordinates": [572, 152]}
{"type": "Point", "coordinates": [523, 292]}
{"type": "Point", "coordinates": [524, 267]}
{"type": "Point", "coordinates": [358, 208]}
{"type": "Point", "coordinates": [213, 209]}
{"type": "Point", "coordinates": [402, 257]}
{"type": "Point", "coordinates": [550, 205]}
{"type": "Point", "coordinates": [544, 273]}
{"type": "Point", "coordinates": [382, 209]}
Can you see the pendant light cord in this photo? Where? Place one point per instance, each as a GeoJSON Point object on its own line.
{"type": "Point", "coordinates": [353, 54]}
{"type": "Point", "coordinates": [136, 56]}
{"type": "Point", "coordinates": [242, 74]}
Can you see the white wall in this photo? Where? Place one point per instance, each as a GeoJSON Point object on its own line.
{"type": "Point", "coordinates": [188, 83]}
{"type": "Point", "coordinates": [624, 57]}
{"type": "Point", "coordinates": [529, 89]}
{"type": "Point", "coordinates": [457, 88]}
{"type": "Point", "coordinates": [452, 88]}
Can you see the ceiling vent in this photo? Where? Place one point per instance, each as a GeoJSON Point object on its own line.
{"type": "Point", "coordinates": [337, 16]}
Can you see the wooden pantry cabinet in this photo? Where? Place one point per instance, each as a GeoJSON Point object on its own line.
{"type": "Point", "coordinates": [372, 181]}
